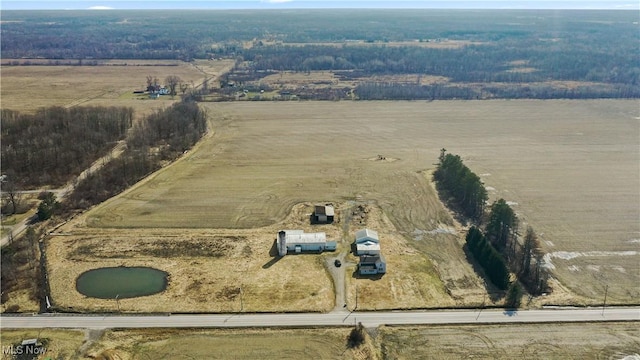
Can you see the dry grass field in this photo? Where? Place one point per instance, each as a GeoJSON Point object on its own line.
{"type": "Point", "coordinates": [227, 344]}
{"type": "Point", "coordinates": [328, 79]}
{"type": "Point", "coordinates": [517, 341]}
{"type": "Point", "coordinates": [212, 270]}
{"type": "Point", "coordinates": [27, 88]}
{"type": "Point", "coordinates": [570, 168]}
{"type": "Point", "coordinates": [525, 341]}
{"type": "Point", "coordinates": [60, 344]}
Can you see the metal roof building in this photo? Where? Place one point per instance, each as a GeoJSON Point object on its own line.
{"type": "Point", "coordinates": [367, 242]}
{"type": "Point", "coordinates": [364, 235]}
{"type": "Point", "coordinates": [297, 241]}
{"type": "Point", "coordinates": [323, 214]}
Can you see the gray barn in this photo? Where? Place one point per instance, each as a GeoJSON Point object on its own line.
{"type": "Point", "coordinates": [297, 241]}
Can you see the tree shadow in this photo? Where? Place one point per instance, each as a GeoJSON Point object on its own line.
{"type": "Point", "coordinates": [34, 219]}
{"type": "Point", "coordinates": [492, 291]}
{"type": "Point", "coordinates": [275, 256]}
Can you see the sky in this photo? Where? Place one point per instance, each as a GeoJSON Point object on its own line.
{"type": "Point", "coordinates": [310, 4]}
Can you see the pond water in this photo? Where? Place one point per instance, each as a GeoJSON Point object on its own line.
{"type": "Point", "coordinates": [123, 282]}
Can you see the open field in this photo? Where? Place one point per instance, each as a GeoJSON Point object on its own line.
{"type": "Point", "coordinates": [616, 340]}
{"type": "Point", "coordinates": [60, 344]}
{"type": "Point", "coordinates": [27, 88]}
{"type": "Point", "coordinates": [217, 270]}
{"type": "Point", "coordinates": [530, 341]}
{"type": "Point", "coordinates": [226, 344]}
{"type": "Point", "coordinates": [208, 268]}
{"type": "Point", "coordinates": [553, 160]}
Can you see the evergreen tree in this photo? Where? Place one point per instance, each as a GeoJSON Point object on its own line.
{"type": "Point", "coordinates": [502, 225]}
{"type": "Point", "coordinates": [47, 206]}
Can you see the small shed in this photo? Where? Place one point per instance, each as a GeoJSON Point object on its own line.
{"type": "Point", "coordinates": [29, 346]}
{"type": "Point", "coordinates": [323, 214]}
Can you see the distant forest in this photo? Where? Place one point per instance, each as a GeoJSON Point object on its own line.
{"type": "Point", "coordinates": [598, 48]}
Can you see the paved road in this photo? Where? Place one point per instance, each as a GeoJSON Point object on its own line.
{"type": "Point", "coordinates": [369, 319]}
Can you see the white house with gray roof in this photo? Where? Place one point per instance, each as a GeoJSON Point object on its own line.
{"type": "Point", "coordinates": [368, 249]}
{"type": "Point", "coordinates": [367, 242]}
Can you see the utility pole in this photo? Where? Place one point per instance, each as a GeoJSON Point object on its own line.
{"type": "Point", "coordinates": [118, 302]}
{"type": "Point", "coordinates": [484, 299]}
{"type": "Point", "coordinates": [356, 308]}
{"type": "Point", "coordinates": [604, 303]}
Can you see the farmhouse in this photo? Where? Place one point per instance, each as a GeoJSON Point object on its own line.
{"type": "Point", "coordinates": [372, 265]}
{"type": "Point", "coordinates": [367, 242]}
{"type": "Point", "coordinates": [323, 214]}
{"type": "Point", "coordinates": [297, 241]}
{"type": "Point", "coordinates": [368, 248]}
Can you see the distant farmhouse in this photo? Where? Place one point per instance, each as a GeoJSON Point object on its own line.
{"type": "Point", "coordinates": [156, 90]}
{"type": "Point", "coordinates": [368, 248]}
{"type": "Point", "coordinates": [323, 214]}
{"type": "Point", "coordinates": [297, 241]}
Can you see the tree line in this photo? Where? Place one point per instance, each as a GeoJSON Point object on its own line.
{"type": "Point", "coordinates": [457, 181]}
{"type": "Point", "coordinates": [494, 242]}
{"type": "Point", "coordinates": [595, 47]}
{"type": "Point", "coordinates": [460, 91]}
{"type": "Point", "coordinates": [157, 139]}
{"type": "Point", "coordinates": [488, 257]}
{"type": "Point", "coordinates": [20, 269]}
{"type": "Point", "coordinates": [55, 144]}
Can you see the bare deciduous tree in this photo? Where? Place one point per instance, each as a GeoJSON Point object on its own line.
{"type": "Point", "coordinates": [172, 82]}
{"type": "Point", "coordinates": [183, 87]}
{"type": "Point", "coordinates": [13, 195]}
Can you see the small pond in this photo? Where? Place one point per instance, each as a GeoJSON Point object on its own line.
{"type": "Point", "coordinates": [123, 282]}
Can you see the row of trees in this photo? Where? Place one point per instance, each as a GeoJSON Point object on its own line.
{"type": "Point", "coordinates": [457, 181]}
{"type": "Point", "coordinates": [488, 257]}
{"type": "Point", "coordinates": [55, 144]}
{"type": "Point", "coordinates": [160, 137]}
{"type": "Point", "coordinates": [498, 249]}
{"type": "Point", "coordinates": [405, 91]}
{"type": "Point", "coordinates": [524, 256]}
{"type": "Point", "coordinates": [20, 270]}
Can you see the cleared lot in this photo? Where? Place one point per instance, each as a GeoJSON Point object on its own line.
{"type": "Point", "coordinates": [570, 168]}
